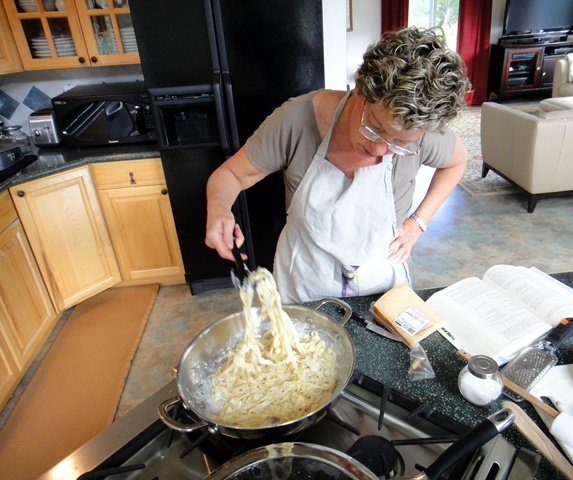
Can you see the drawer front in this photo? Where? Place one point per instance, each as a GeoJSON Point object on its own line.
{"type": "Point", "coordinates": [128, 173]}
{"type": "Point", "coordinates": [7, 211]}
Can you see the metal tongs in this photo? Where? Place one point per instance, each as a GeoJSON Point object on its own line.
{"type": "Point", "coordinates": [239, 276]}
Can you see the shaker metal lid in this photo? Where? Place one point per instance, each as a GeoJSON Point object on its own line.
{"type": "Point", "coordinates": [482, 366]}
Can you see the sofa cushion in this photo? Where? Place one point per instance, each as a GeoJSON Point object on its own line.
{"type": "Point", "coordinates": [558, 103]}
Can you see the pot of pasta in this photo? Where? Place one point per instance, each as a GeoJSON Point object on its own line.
{"type": "Point", "coordinates": [270, 369]}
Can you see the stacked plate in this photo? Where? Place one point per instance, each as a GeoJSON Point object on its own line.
{"type": "Point", "coordinates": [128, 39]}
{"type": "Point", "coordinates": [28, 5]}
{"type": "Point", "coordinates": [64, 45]}
{"type": "Point", "coordinates": [40, 47]}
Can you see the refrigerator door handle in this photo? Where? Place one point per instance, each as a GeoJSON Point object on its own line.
{"type": "Point", "coordinates": [223, 131]}
{"type": "Point", "coordinates": [228, 86]}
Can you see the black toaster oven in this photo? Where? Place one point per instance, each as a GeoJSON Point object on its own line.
{"type": "Point", "coordinates": [104, 114]}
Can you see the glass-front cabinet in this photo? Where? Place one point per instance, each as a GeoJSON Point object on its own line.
{"type": "Point", "coordinates": [72, 33]}
{"type": "Point", "coordinates": [9, 56]}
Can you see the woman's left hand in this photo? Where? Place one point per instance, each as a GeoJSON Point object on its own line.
{"type": "Point", "coordinates": [406, 237]}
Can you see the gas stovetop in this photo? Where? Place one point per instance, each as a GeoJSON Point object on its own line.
{"type": "Point", "coordinates": [140, 446]}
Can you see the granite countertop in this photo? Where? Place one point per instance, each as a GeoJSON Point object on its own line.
{"type": "Point", "coordinates": [56, 159]}
{"type": "Point", "coordinates": [388, 362]}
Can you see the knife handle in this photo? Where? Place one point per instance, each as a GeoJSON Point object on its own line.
{"type": "Point", "coordinates": [560, 333]}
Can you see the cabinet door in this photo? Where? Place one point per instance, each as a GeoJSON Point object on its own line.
{"type": "Point", "coordinates": [522, 68]}
{"type": "Point", "coordinates": [548, 71]}
{"type": "Point", "coordinates": [65, 225]}
{"type": "Point", "coordinates": [9, 371]}
{"type": "Point", "coordinates": [9, 57]}
{"type": "Point", "coordinates": [26, 312]}
{"type": "Point", "coordinates": [47, 33]}
{"type": "Point", "coordinates": [143, 232]}
{"type": "Point", "coordinates": [108, 31]}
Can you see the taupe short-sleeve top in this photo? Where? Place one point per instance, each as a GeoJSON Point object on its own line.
{"type": "Point", "coordinates": [288, 139]}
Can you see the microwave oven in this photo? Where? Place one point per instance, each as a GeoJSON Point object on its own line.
{"type": "Point", "coordinates": [104, 114]}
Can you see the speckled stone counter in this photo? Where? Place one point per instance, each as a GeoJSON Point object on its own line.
{"type": "Point", "coordinates": [388, 362]}
{"type": "Point", "coordinates": [57, 159]}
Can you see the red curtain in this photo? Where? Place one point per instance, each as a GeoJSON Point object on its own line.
{"type": "Point", "coordinates": [394, 14]}
{"type": "Point", "coordinates": [474, 24]}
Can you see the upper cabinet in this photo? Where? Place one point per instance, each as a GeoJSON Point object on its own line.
{"type": "Point", "coordinates": [72, 33]}
{"type": "Point", "coordinates": [9, 57]}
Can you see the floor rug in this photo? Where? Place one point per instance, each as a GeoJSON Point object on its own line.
{"type": "Point", "coordinates": [75, 391]}
{"type": "Point", "coordinates": [467, 126]}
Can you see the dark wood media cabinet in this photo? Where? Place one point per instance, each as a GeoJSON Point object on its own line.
{"type": "Point", "coordinates": [523, 68]}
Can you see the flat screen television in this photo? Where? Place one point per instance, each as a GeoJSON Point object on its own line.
{"type": "Point", "coordinates": [523, 17]}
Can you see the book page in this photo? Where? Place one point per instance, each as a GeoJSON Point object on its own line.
{"type": "Point", "coordinates": [532, 291]}
{"type": "Point", "coordinates": [481, 320]}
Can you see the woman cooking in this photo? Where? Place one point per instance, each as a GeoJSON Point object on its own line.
{"type": "Point", "coordinates": [350, 161]}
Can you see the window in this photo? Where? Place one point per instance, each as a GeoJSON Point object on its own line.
{"type": "Point", "coordinates": [436, 13]}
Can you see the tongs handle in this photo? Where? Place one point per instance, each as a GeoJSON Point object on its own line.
{"type": "Point", "coordinates": [242, 271]}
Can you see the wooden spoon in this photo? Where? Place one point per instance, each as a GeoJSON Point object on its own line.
{"type": "Point", "coordinates": [539, 440]}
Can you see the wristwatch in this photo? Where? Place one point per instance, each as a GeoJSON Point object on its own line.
{"type": "Point", "coordinates": [420, 222]}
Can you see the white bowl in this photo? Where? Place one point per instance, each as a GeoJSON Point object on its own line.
{"type": "Point", "coordinates": [28, 6]}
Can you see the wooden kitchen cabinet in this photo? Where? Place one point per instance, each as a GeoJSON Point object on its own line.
{"type": "Point", "coordinates": [72, 33]}
{"type": "Point", "coordinates": [27, 315]}
{"type": "Point", "coordinates": [68, 235]}
{"type": "Point", "coordinates": [9, 57]}
{"type": "Point", "coordinates": [137, 209]}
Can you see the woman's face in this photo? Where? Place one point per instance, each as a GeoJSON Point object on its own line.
{"type": "Point", "coordinates": [372, 132]}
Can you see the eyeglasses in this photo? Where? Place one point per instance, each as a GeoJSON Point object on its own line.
{"type": "Point", "coordinates": [374, 137]}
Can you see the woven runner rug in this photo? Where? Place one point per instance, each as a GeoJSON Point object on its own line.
{"type": "Point", "coordinates": [467, 126]}
{"type": "Point", "coordinates": [74, 393]}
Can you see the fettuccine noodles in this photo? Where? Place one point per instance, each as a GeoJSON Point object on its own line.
{"type": "Point", "coordinates": [280, 377]}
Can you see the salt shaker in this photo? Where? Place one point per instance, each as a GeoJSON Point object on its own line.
{"type": "Point", "coordinates": [480, 381]}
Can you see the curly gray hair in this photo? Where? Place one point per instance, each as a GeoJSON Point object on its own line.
{"type": "Point", "coordinates": [413, 74]}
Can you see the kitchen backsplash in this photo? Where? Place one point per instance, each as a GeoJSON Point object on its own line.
{"type": "Point", "coordinates": [25, 92]}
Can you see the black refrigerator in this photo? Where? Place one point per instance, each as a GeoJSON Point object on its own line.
{"type": "Point", "coordinates": [215, 69]}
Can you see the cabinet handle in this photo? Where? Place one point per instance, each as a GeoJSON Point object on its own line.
{"type": "Point", "coordinates": [82, 60]}
{"type": "Point", "coordinates": [163, 191]}
{"type": "Point", "coordinates": [131, 179]}
{"type": "Point", "coordinates": [93, 59]}
{"type": "Point", "coordinates": [20, 193]}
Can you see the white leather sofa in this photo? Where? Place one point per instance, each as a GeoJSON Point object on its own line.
{"type": "Point", "coordinates": [563, 77]}
{"type": "Point", "coordinates": [534, 152]}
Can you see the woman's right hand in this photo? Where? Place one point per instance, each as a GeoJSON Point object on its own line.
{"type": "Point", "coordinates": [222, 231]}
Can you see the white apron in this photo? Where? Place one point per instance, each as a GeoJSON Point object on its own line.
{"type": "Point", "coordinates": [335, 241]}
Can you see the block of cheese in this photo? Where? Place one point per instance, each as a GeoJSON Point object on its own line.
{"type": "Point", "coordinates": [403, 312]}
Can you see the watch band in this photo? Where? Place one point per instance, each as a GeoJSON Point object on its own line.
{"type": "Point", "coordinates": [420, 222]}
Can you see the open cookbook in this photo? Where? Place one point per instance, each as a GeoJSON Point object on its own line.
{"type": "Point", "coordinates": [505, 311]}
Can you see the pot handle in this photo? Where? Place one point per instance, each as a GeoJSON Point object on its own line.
{"type": "Point", "coordinates": [174, 424]}
{"type": "Point", "coordinates": [347, 309]}
{"type": "Point", "coordinates": [470, 441]}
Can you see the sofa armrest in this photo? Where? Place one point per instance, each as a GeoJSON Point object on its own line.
{"type": "Point", "coordinates": [535, 153]}
{"type": "Point", "coordinates": [560, 76]}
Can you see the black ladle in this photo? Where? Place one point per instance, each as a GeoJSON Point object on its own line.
{"type": "Point", "coordinates": [242, 272]}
